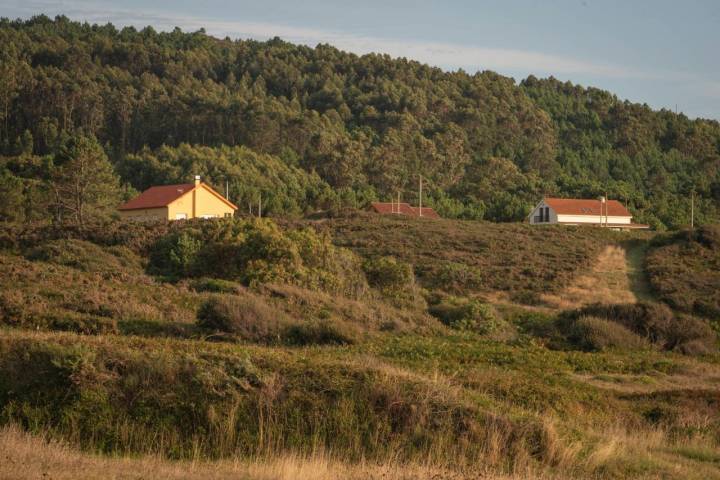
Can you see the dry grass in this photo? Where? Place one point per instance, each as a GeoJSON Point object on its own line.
{"type": "Point", "coordinates": [652, 453]}
{"type": "Point", "coordinates": [25, 456]}
{"type": "Point", "coordinates": [607, 282]}
{"type": "Point", "coordinates": [618, 452]}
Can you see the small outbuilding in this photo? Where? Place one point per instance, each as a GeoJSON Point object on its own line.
{"type": "Point", "coordinates": [178, 202]}
{"type": "Point", "coordinates": [572, 211]}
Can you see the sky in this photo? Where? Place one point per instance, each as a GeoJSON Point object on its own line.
{"type": "Point", "coordinates": [665, 53]}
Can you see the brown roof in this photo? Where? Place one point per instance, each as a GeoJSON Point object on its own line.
{"type": "Point", "coordinates": [403, 209]}
{"type": "Point", "coordinates": [572, 206]}
{"type": "Point", "coordinates": [164, 195]}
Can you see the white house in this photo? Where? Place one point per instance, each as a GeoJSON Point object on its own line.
{"type": "Point", "coordinates": [571, 211]}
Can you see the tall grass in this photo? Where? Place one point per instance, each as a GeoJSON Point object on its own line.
{"type": "Point", "coordinates": [188, 400]}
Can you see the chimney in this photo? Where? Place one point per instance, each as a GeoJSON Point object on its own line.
{"type": "Point", "coordinates": [197, 180]}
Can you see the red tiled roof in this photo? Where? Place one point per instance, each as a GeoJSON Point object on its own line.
{"type": "Point", "coordinates": [403, 209]}
{"type": "Point", "coordinates": [156, 197]}
{"type": "Point", "coordinates": [164, 195]}
{"type": "Point", "coordinates": [572, 206]}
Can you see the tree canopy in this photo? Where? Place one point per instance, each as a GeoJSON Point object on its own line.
{"type": "Point", "coordinates": [312, 127]}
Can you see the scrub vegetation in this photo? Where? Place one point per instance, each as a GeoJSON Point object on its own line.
{"type": "Point", "coordinates": [360, 361]}
{"type": "Point", "coordinates": [323, 341]}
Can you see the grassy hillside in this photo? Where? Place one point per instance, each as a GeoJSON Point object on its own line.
{"type": "Point", "coordinates": [472, 257]}
{"type": "Point", "coordinates": [135, 349]}
{"type": "Point", "coordinates": [684, 270]}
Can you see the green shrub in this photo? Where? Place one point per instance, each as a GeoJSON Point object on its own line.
{"type": "Point", "coordinates": [652, 321]}
{"type": "Point", "coordinates": [393, 278]}
{"type": "Point", "coordinates": [246, 316]}
{"type": "Point", "coordinates": [463, 314]}
{"type": "Point", "coordinates": [596, 334]}
{"type": "Point", "coordinates": [323, 332]}
{"type": "Point", "coordinates": [388, 273]}
{"type": "Point", "coordinates": [457, 277]}
{"type": "Point", "coordinates": [537, 324]}
{"type": "Point", "coordinates": [175, 254]}
{"type": "Point", "coordinates": [256, 252]}
{"type": "Point", "coordinates": [214, 285]}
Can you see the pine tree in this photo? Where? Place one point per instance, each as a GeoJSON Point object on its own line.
{"type": "Point", "coordinates": [83, 181]}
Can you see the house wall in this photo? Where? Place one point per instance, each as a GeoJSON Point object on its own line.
{"type": "Point", "coordinates": [146, 214]}
{"type": "Point", "coordinates": [592, 219]}
{"type": "Point", "coordinates": [536, 213]}
{"type": "Point", "coordinates": [199, 203]}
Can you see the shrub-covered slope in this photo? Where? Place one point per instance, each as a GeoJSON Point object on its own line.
{"type": "Point", "coordinates": [470, 257]}
{"type": "Point", "coordinates": [177, 340]}
{"type": "Point", "coordinates": [684, 270]}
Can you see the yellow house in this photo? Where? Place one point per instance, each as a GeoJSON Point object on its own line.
{"type": "Point", "coordinates": [177, 202]}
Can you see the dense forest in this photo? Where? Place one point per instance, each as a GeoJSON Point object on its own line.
{"type": "Point", "coordinates": [317, 128]}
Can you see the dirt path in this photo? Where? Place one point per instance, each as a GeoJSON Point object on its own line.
{"type": "Point", "coordinates": [616, 277]}
{"type": "Point", "coordinates": [639, 284]}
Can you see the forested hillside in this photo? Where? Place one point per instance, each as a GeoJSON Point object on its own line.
{"type": "Point", "coordinates": [317, 128]}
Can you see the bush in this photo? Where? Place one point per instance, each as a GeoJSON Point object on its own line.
{"type": "Point", "coordinates": [214, 285]}
{"type": "Point", "coordinates": [596, 334]}
{"type": "Point", "coordinates": [256, 252]}
{"type": "Point", "coordinates": [318, 333]}
{"type": "Point", "coordinates": [457, 277]}
{"type": "Point", "coordinates": [692, 336]}
{"type": "Point", "coordinates": [393, 278]}
{"type": "Point", "coordinates": [463, 314]}
{"type": "Point", "coordinates": [653, 321]}
{"type": "Point", "coordinates": [534, 323]}
{"type": "Point", "coordinates": [175, 254]}
{"type": "Point", "coordinates": [650, 320]}
{"type": "Point", "coordinates": [388, 274]}
{"type": "Point", "coordinates": [247, 317]}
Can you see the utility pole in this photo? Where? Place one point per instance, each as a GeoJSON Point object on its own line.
{"type": "Point", "coordinates": [606, 210]}
{"type": "Point", "coordinates": [692, 210]}
{"type": "Point", "coordinates": [227, 190]}
{"type": "Point", "coordinates": [398, 201]}
{"type": "Point", "coordinates": [260, 206]}
{"type": "Point", "coordinates": [420, 203]}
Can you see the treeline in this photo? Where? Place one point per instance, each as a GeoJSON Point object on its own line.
{"type": "Point", "coordinates": [333, 128]}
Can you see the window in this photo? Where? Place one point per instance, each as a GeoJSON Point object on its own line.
{"type": "Point", "coordinates": [547, 214]}
{"type": "Point", "coordinates": [228, 215]}
{"type": "Point", "coordinates": [181, 216]}
{"type": "Point", "coordinates": [207, 216]}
